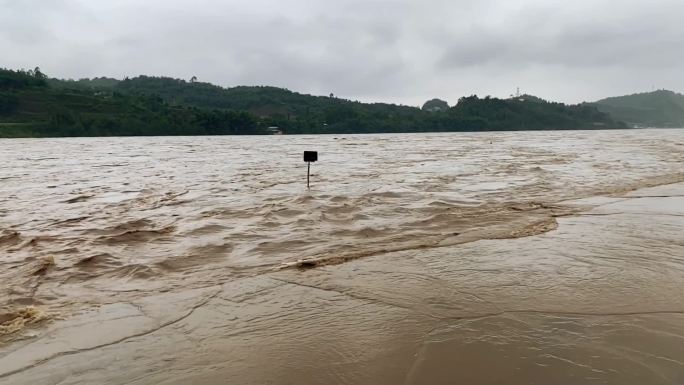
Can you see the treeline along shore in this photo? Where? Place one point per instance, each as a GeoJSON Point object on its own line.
{"type": "Point", "coordinates": [35, 105]}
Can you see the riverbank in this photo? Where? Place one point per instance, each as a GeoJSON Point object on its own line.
{"type": "Point", "coordinates": [156, 106]}
{"type": "Point", "coordinates": [595, 300]}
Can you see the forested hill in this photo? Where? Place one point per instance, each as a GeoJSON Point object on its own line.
{"type": "Point", "coordinates": [265, 102]}
{"type": "Point", "coordinates": [31, 104]}
{"type": "Point", "coordinates": [651, 109]}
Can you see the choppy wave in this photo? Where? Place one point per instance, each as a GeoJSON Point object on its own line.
{"type": "Point", "coordinates": [163, 217]}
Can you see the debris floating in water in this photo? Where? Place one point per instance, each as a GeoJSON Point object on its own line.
{"type": "Point", "coordinates": [19, 319]}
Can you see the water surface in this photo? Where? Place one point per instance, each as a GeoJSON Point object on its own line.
{"type": "Point", "coordinates": [430, 258]}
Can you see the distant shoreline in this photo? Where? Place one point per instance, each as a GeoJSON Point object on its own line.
{"type": "Point", "coordinates": [158, 106]}
{"type": "Point", "coordinates": [328, 134]}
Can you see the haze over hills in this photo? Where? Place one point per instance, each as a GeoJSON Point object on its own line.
{"type": "Point", "coordinates": [660, 108]}
{"type": "Point", "coordinates": [31, 104]}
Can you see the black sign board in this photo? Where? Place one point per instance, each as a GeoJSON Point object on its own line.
{"type": "Point", "coordinates": [310, 156]}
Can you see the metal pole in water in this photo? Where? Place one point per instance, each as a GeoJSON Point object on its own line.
{"type": "Point", "coordinates": [309, 156]}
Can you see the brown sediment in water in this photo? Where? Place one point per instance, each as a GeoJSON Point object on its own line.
{"type": "Point", "coordinates": [43, 266]}
{"type": "Point", "coordinates": [390, 261]}
{"type": "Point", "coordinates": [508, 229]}
{"type": "Point", "coordinates": [9, 237]}
{"type": "Point", "coordinates": [540, 308]}
{"type": "Point", "coordinates": [14, 321]}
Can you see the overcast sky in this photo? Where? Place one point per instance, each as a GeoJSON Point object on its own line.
{"type": "Point", "coordinates": [371, 50]}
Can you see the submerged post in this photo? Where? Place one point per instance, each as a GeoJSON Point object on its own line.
{"type": "Point", "coordinates": [309, 156]}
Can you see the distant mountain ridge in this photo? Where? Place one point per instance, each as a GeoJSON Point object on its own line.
{"type": "Point", "coordinates": [301, 113]}
{"type": "Point", "coordinates": [660, 108]}
{"type": "Point", "coordinates": [32, 104]}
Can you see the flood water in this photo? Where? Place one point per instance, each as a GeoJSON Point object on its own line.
{"type": "Point", "coordinates": [487, 258]}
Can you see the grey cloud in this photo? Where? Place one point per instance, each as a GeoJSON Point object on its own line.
{"type": "Point", "coordinates": [637, 41]}
{"type": "Point", "coordinates": [375, 50]}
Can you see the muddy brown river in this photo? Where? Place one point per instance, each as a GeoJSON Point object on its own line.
{"type": "Point", "coordinates": [545, 258]}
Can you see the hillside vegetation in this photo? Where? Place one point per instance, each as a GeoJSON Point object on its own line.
{"type": "Point", "coordinates": [31, 104]}
{"type": "Point", "coordinates": [651, 109]}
